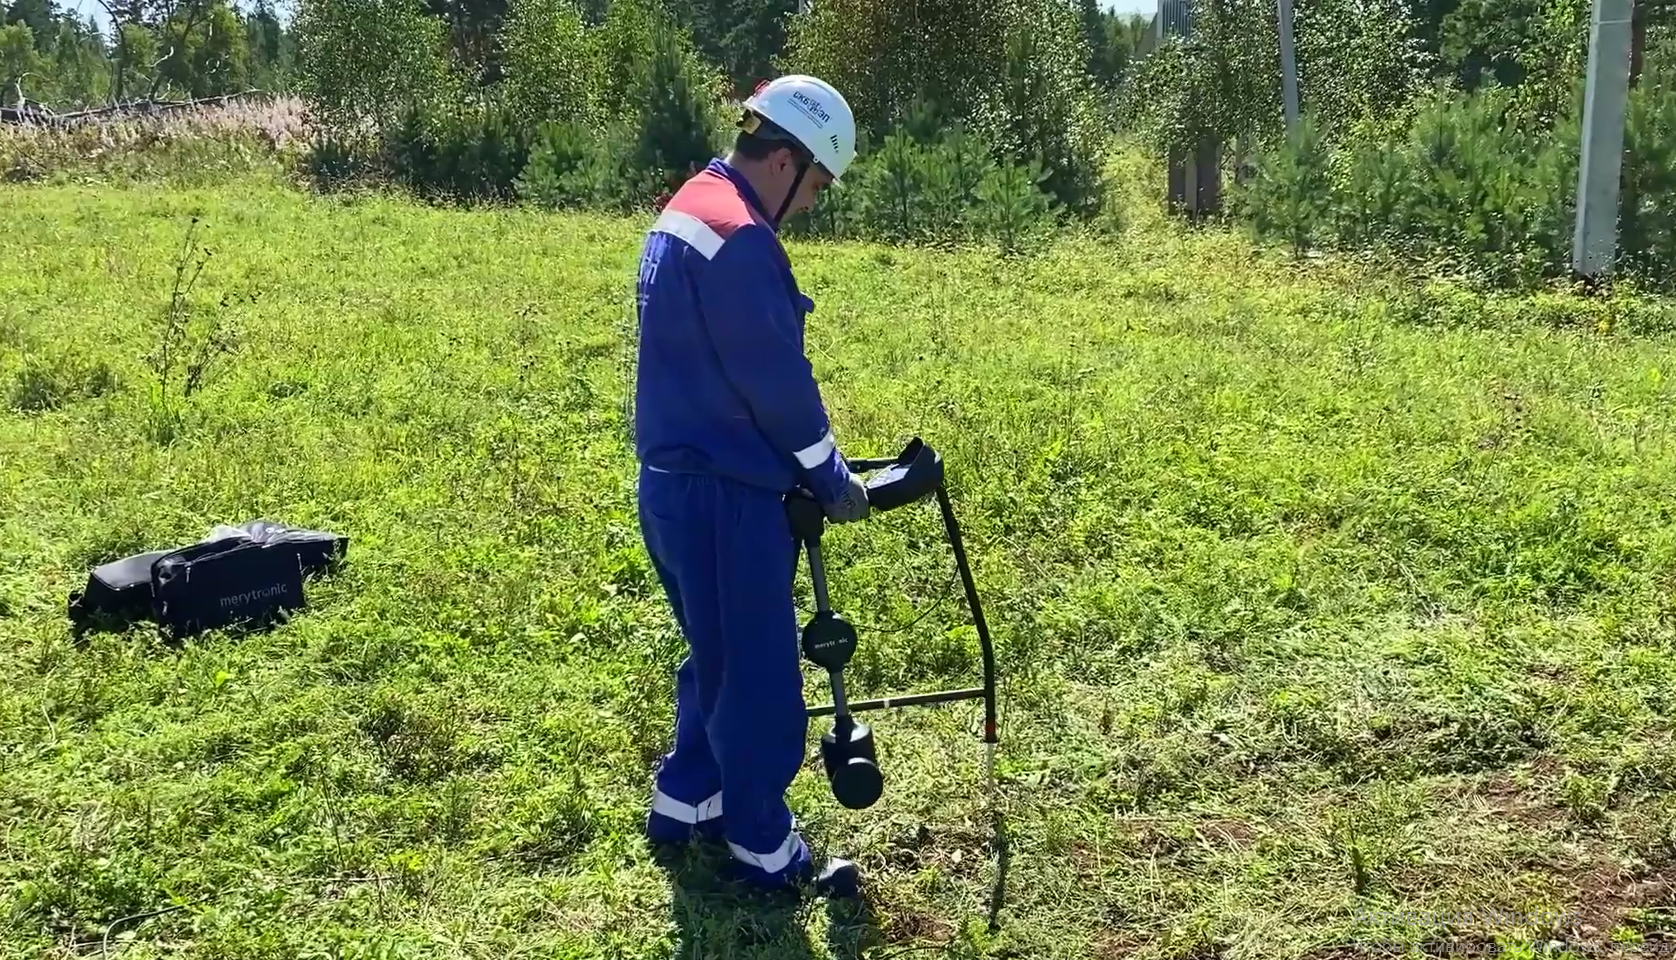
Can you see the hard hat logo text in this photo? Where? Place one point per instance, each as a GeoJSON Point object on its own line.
{"type": "Point", "coordinates": [812, 107]}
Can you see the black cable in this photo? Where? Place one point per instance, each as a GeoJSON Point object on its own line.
{"type": "Point", "coordinates": [105, 941]}
{"type": "Point", "coordinates": [948, 589]}
{"type": "Point", "coordinates": [137, 918]}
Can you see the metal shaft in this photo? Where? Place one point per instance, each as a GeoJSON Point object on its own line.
{"type": "Point", "coordinates": [905, 700]}
{"type": "Point", "coordinates": [823, 604]}
{"type": "Point", "coordinates": [839, 708]}
{"type": "Point", "coordinates": [817, 577]}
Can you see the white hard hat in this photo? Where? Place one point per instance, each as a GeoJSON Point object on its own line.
{"type": "Point", "coordinates": [812, 113]}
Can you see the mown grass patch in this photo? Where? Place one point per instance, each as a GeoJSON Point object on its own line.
{"type": "Point", "coordinates": [1307, 612]}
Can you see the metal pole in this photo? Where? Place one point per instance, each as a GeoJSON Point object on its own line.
{"type": "Point", "coordinates": [1638, 40]}
{"type": "Point", "coordinates": [1288, 66]}
{"type": "Point", "coordinates": [1595, 232]}
{"type": "Point", "coordinates": [991, 731]}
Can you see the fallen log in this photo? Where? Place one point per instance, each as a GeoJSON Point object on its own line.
{"type": "Point", "coordinates": [120, 111]}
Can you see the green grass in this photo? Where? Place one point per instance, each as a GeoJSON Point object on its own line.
{"type": "Point", "coordinates": [1306, 610]}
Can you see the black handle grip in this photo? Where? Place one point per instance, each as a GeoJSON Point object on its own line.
{"type": "Point", "coordinates": [910, 476]}
{"type": "Point", "coordinates": [868, 466]}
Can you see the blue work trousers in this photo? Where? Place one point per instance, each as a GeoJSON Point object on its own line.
{"type": "Point", "coordinates": [726, 557]}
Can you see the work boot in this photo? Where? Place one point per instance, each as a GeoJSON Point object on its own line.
{"type": "Point", "coordinates": [838, 879]}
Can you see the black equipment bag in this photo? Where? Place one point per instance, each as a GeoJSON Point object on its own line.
{"type": "Point", "coordinates": [250, 576]}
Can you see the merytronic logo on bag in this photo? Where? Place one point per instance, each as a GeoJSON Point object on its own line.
{"type": "Point", "coordinates": [240, 599]}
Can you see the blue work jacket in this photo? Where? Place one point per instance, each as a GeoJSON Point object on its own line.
{"type": "Point", "coordinates": [722, 386]}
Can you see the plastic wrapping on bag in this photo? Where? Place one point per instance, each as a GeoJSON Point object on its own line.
{"type": "Point", "coordinates": [250, 575]}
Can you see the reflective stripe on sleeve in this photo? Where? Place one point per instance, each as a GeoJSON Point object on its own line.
{"type": "Point", "coordinates": [816, 453]}
{"type": "Point", "coordinates": [691, 229]}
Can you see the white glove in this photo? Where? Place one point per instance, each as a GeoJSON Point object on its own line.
{"type": "Point", "coordinates": [852, 506]}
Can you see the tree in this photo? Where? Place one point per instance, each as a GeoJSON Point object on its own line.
{"type": "Point", "coordinates": [207, 49]}
{"type": "Point", "coordinates": [1095, 34]}
{"type": "Point", "coordinates": [1014, 72]}
{"type": "Point", "coordinates": [81, 72]}
{"type": "Point", "coordinates": [18, 59]}
{"type": "Point", "coordinates": [363, 64]}
{"type": "Point", "coordinates": [890, 57]}
{"type": "Point", "coordinates": [39, 16]}
{"type": "Point", "coordinates": [740, 36]}
{"type": "Point", "coordinates": [267, 50]}
{"type": "Point", "coordinates": [674, 95]}
{"type": "Point", "coordinates": [1124, 35]}
{"type": "Point", "coordinates": [473, 28]}
{"type": "Point", "coordinates": [550, 68]}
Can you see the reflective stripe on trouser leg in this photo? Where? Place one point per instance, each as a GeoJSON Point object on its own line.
{"type": "Point", "coordinates": [688, 773]}
{"type": "Point", "coordinates": [759, 721]}
{"type": "Point", "coordinates": [726, 546]}
{"type": "Point", "coordinates": [665, 805]}
{"type": "Point", "coordinates": [676, 526]}
{"type": "Point", "coordinates": [790, 850]}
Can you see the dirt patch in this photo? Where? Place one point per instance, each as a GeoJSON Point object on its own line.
{"type": "Point", "coordinates": [958, 850]}
{"type": "Point", "coordinates": [907, 925]}
{"type": "Point", "coordinates": [1599, 896]}
{"type": "Point", "coordinates": [1606, 897]}
{"type": "Point", "coordinates": [1508, 800]}
{"type": "Point", "coordinates": [1232, 833]}
{"type": "Point", "coordinates": [907, 846]}
{"type": "Point", "coordinates": [1087, 862]}
{"type": "Point", "coordinates": [1504, 798]}
{"type": "Point", "coordinates": [1108, 945]}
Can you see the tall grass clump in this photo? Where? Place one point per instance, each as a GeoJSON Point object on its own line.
{"type": "Point", "coordinates": [213, 143]}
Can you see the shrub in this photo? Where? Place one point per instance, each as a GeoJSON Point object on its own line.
{"type": "Point", "coordinates": [575, 167]}
{"type": "Point", "coordinates": [465, 155]}
{"type": "Point", "coordinates": [677, 99]}
{"type": "Point", "coordinates": [612, 114]}
{"type": "Point", "coordinates": [1464, 189]}
{"type": "Point", "coordinates": [1648, 222]}
{"type": "Point", "coordinates": [1290, 197]}
{"type": "Point", "coordinates": [365, 64]}
{"type": "Point", "coordinates": [558, 151]}
{"type": "Point", "coordinates": [1011, 71]}
{"type": "Point", "coordinates": [1049, 114]}
{"type": "Point", "coordinates": [549, 68]}
{"type": "Point", "coordinates": [665, 120]}
{"type": "Point", "coordinates": [942, 191]}
{"type": "Point", "coordinates": [1476, 176]}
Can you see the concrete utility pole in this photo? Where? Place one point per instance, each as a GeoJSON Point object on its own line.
{"type": "Point", "coordinates": [1595, 234]}
{"type": "Point", "coordinates": [1288, 66]}
{"type": "Point", "coordinates": [1637, 40]}
{"type": "Point", "coordinates": [1195, 180]}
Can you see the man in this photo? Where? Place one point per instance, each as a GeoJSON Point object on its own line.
{"type": "Point", "coordinates": [728, 419]}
